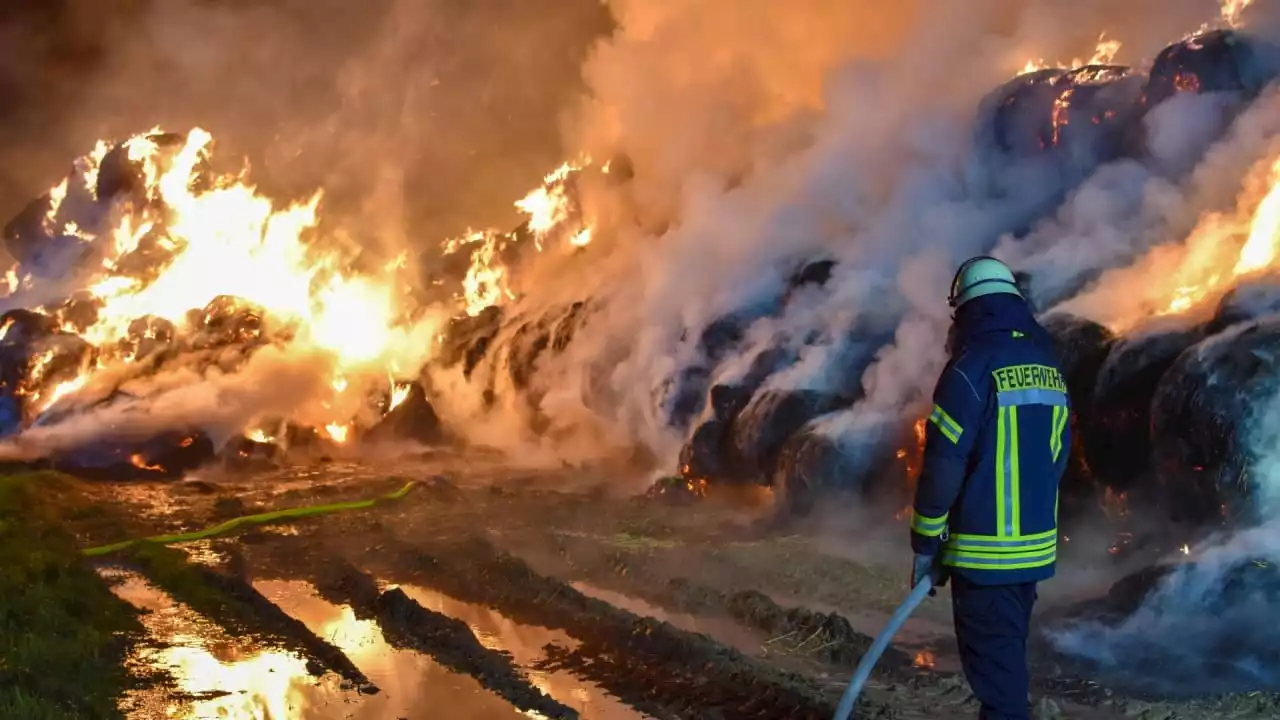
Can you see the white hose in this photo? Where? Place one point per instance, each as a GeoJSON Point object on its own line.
{"type": "Point", "coordinates": [872, 656]}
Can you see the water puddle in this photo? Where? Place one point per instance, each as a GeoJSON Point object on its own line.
{"type": "Point", "coordinates": [228, 678]}
{"type": "Point", "coordinates": [723, 630]}
{"type": "Point", "coordinates": [525, 643]}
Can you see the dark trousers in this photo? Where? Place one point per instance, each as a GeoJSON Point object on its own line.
{"type": "Point", "coordinates": [992, 623]}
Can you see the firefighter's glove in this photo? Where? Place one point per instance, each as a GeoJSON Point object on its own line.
{"type": "Point", "coordinates": [927, 566]}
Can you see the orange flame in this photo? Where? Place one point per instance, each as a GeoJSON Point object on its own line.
{"type": "Point", "coordinates": [219, 237]}
{"type": "Point", "coordinates": [1103, 54]}
{"type": "Point", "coordinates": [924, 659]}
{"type": "Point", "coordinates": [139, 461]}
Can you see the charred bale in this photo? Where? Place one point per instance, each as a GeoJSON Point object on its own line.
{"type": "Point", "coordinates": [757, 434]}
{"type": "Point", "coordinates": [707, 454]}
{"type": "Point", "coordinates": [165, 456]}
{"type": "Point", "coordinates": [840, 453]}
{"type": "Point", "coordinates": [40, 246]}
{"type": "Point", "coordinates": [683, 394]}
{"type": "Point", "coordinates": [1083, 347]}
{"type": "Point", "coordinates": [249, 454]}
{"type": "Point", "coordinates": [1117, 444]}
{"type": "Point", "coordinates": [703, 454]}
{"type": "Point", "coordinates": [1216, 61]}
{"type": "Point", "coordinates": [411, 417]}
{"type": "Point", "coordinates": [1210, 424]}
{"type": "Point", "coordinates": [1016, 119]}
{"type": "Point", "coordinates": [1095, 113]}
{"type": "Point", "coordinates": [467, 339]}
{"type": "Point", "coordinates": [1252, 299]}
{"type": "Point", "coordinates": [552, 330]}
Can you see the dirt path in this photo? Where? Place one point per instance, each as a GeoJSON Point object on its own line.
{"type": "Point", "coordinates": [695, 610]}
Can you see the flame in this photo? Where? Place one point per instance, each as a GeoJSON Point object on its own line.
{"type": "Point", "coordinates": [1230, 11]}
{"type": "Point", "coordinates": [924, 659]}
{"type": "Point", "coordinates": [1103, 54]}
{"type": "Point", "coordinates": [1186, 549]}
{"type": "Point", "coordinates": [399, 393]}
{"type": "Point", "coordinates": [258, 435]}
{"type": "Point", "coordinates": [1205, 271]}
{"type": "Point", "coordinates": [181, 237]}
{"type": "Point", "coordinates": [338, 433]}
{"type": "Point", "coordinates": [912, 456]}
{"type": "Point", "coordinates": [139, 461]}
{"type": "Point", "coordinates": [548, 205]}
{"type": "Point", "coordinates": [549, 208]}
{"type": "Point", "coordinates": [485, 283]}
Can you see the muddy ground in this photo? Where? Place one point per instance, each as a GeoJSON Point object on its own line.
{"type": "Point", "coordinates": [610, 603]}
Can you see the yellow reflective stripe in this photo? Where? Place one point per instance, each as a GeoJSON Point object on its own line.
{"type": "Point", "coordinates": [946, 424]}
{"type": "Point", "coordinates": [1053, 433]}
{"type": "Point", "coordinates": [1001, 414]}
{"type": "Point", "coordinates": [1015, 494]}
{"type": "Point", "coordinates": [1060, 417]}
{"type": "Point", "coordinates": [928, 526]}
{"type": "Point", "coordinates": [999, 561]}
{"type": "Point", "coordinates": [1008, 500]}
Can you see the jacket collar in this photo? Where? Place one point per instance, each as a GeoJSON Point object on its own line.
{"type": "Point", "coordinates": [1002, 314]}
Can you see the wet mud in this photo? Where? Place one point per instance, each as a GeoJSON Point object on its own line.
{"type": "Point", "coordinates": [649, 664]}
{"type": "Point", "coordinates": [407, 624]}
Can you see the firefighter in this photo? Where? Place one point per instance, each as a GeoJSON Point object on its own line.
{"type": "Point", "coordinates": [985, 516]}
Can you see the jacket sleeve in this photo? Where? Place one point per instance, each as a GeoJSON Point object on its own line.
{"type": "Point", "coordinates": [959, 405]}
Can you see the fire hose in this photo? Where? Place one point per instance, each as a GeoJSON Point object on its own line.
{"type": "Point", "coordinates": [872, 656]}
{"type": "Point", "coordinates": [266, 518]}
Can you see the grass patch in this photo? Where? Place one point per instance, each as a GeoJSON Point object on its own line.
{"type": "Point", "coordinates": [64, 635]}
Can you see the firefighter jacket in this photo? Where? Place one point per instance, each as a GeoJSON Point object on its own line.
{"type": "Point", "coordinates": [996, 446]}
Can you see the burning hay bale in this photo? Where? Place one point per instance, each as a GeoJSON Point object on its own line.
{"type": "Point", "coordinates": [165, 456]}
{"type": "Point", "coordinates": [1117, 443]}
{"type": "Point", "coordinates": [409, 416]}
{"type": "Point", "coordinates": [227, 320]}
{"type": "Point", "coordinates": [1215, 61]}
{"type": "Point", "coordinates": [124, 169]}
{"type": "Point", "coordinates": [1016, 119]}
{"type": "Point", "coordinates": [1210, 424]}
{"type": "Point", "coordinates": [1251, 299]}
{"type": "Point", "coordinates": [36, 359]}
{"type": "Point", "coordinates": [1095, 113]}
{"type": "Point", "coordinates": [250, 453]}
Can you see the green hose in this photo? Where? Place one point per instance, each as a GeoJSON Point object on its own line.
{"type": "Point", "coordinates": [265, 518]}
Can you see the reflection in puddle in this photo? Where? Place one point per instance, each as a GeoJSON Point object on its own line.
{"type": "Point", "coordinates": [233, 679]}
{"type": "Point", "coordinates": [412, 677]}
{"type": "Point", "coordinates": [525, 643]}
{"type": "Point", "coordinates": [227, 677]}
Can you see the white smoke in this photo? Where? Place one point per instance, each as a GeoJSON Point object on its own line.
{"type": "Point", "coordinates": [828, 139]}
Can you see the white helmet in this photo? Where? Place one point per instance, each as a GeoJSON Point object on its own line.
{"type": "Point", "coordinates": [980, 276]}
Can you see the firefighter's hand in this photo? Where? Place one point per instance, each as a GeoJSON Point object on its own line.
{"type": "Point", "coordinates": [927, 566]}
